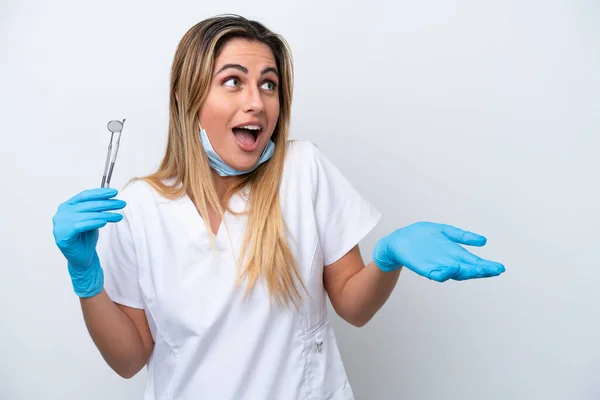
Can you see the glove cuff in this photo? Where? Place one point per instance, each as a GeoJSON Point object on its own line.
{"type": "Point", "coordinates": [88, 282]}
{"type": "Point", "coordinates": [382, 257]}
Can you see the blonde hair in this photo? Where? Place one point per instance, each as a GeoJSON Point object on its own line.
{"type": "Point", "coordinates": [265, 249]}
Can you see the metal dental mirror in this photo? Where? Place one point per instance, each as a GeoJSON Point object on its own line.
{"type": "Point", "coordinates": [115, 127]}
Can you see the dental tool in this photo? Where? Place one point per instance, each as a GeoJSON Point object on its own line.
{"type": "Point", "coordinates": [115, 127]}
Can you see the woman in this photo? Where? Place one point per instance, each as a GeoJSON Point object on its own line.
{"type": "Point", "coordinates": [214, 270]}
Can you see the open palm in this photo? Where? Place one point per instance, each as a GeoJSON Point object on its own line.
{"type": "Point", "coordinates": [434, 251]}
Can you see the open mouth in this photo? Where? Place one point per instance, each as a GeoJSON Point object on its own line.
{"type": "Point", "coordinates": [247, 135]}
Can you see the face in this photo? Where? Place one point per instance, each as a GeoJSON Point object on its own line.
{"type": "Point", "coordinates": [242, 107]}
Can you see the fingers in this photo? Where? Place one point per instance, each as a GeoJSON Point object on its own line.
{"type": "Point", "coordinates": [97, 206]}
{"type": "Point", "coordinates": [465, 265]}
{"type": "Point", "coordinates": [93, 194]}
{"type": "Point", "coordinates": [90, 221]}
{"type": "Point", "coordinates": [481, 269]}
{"type": "Point", "coordinates": [90, 224]}
{"type": "Point", "coordinates": [477, 264]}
{"type": "Point", "coordinates": [74, 224]}
{"type": "Point", "coordinates": [107, 216]}
{"type": "Point", "coordinates": [92, 200]}
{"type": "Point", "coordinates": [67, 228]}
{"type": "Point", "coordinates": [461, 272]}
{"type": "Point", "coordinates": [463, 255]}
{"type": "Point", "coordinates": [463, 237]}
{"type": "Point", "coordinates": [442, 274]}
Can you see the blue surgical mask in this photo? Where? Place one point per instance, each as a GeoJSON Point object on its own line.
{"type": "Point", "coordinates": [223, 169]}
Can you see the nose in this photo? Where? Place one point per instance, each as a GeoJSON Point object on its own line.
{"type": "Point", "coordinates": [253, 102]}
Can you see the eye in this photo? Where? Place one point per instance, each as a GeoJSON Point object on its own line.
{"type": "Point", "coordinates": [269, 85]}
{"type": "Point", "coordinates": [231, 82]}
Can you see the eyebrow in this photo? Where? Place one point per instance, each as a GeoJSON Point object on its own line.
{"type": "Point", "coordinates": [245, 70]}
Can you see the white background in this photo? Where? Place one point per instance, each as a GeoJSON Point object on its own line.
{"type": "Point", "coordinates": [480, 114]}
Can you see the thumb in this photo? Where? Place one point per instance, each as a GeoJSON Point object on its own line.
{"type": "Point", "coordinates": [444, 273]}
{"type": "Point", "coordinates": [463, 237]}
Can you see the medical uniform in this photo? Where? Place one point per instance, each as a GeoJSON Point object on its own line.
{"type": "Point", "coordinates": [209, 343]}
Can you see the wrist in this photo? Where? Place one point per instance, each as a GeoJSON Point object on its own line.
{"type": "Point", "coordinates": [382, 257]}
{"type": "Point", "coordinates": [87, 282]}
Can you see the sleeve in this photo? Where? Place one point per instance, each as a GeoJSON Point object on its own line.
{"type": "Point", "coordinates": [117, 256]}
{"type": "Point", "coordinates": [343, 216]}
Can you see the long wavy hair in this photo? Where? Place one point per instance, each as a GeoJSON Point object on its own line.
{"type": "Point", "coordinates": [184, 169]}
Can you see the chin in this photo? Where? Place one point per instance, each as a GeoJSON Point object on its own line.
{"type": "Point", "coordinates": [243, 162]}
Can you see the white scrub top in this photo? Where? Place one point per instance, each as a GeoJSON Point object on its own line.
{"type": "Point", "coordinates": [209, 344]}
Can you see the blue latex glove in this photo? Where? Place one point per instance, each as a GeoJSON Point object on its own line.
{"type": "Point", "coordinates": [433, 251]}
{"type": "Point", "coordinates": [76, 225]}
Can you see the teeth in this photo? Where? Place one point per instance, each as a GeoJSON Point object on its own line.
{"type": "Point", "coordinates": [250, 127]}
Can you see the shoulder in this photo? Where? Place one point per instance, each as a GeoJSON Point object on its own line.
{"type": "Point", "coordinates": [303, 156]}
{"type": "Point", "coordinates": [306, 157]}
{"type": "Point", "coordinates": [309, 169]}
{"type": "Point", "coordinates": [301, 164]}
{"type": "Point", "coordinates": [300, 149]}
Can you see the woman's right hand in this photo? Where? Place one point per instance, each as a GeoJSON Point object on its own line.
{"type": "Point", "coordinates": [76, 225]}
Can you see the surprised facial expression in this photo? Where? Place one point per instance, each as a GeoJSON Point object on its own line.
{"type": "Point", "coordinates": [242, 106]}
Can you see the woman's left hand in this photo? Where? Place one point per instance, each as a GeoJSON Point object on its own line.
{"type": "Point", "coordinates": [433, 251]}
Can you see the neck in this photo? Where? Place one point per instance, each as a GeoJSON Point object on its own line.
{"type": "Point", "coordinates": [222, 184]}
